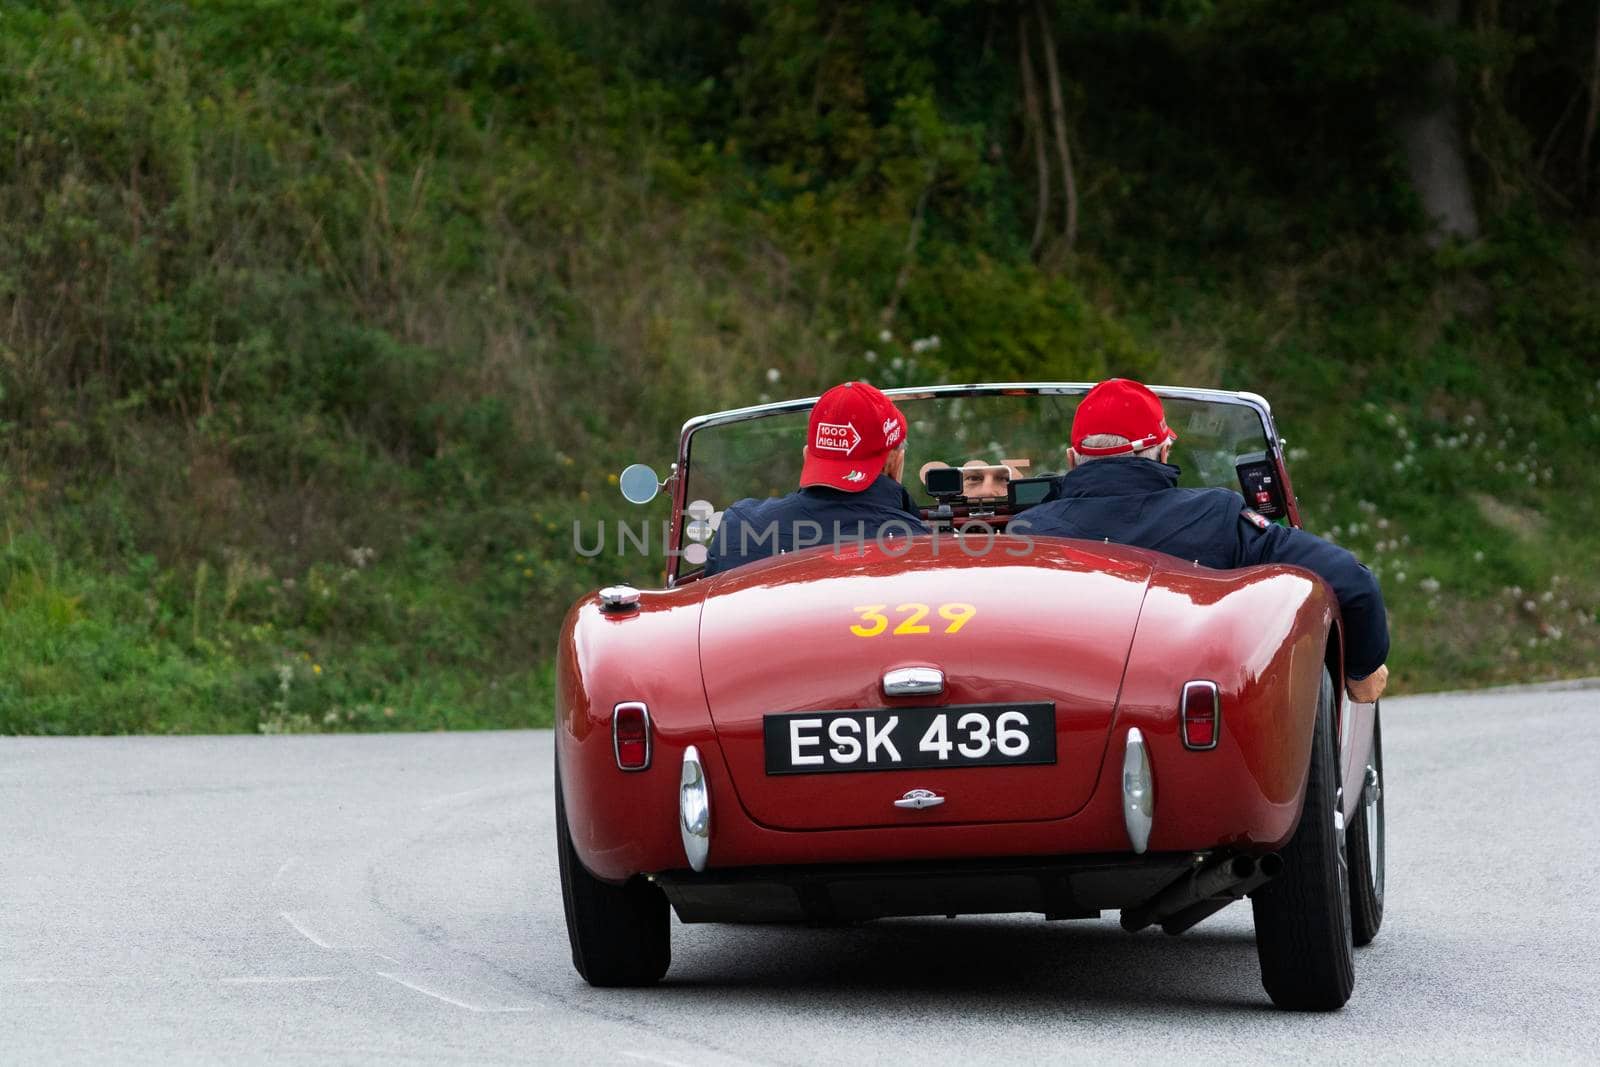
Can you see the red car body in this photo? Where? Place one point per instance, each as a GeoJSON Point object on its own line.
{"type": "Point", "coordinates": [711, 658]}
{"type": "Point", "coordinates": [1109, 635]}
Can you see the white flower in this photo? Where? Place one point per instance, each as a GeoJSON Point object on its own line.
{"type": "Point", "coordinates": [1398, 466]}
{"type": "Point", "coordinates": [897, 362]}
{"type": "Point", "coordinates": [872, 357]}
{"type": "Point", "coordinates": [1478, 556]}
{"type": "Point", "coordinates": [1399, 576]}
{"type": "Point", "coordinates": [1429, 585]}
{"type": "Point", "coordinates": [1529, 606]}
{"type": "Point", "coordinates": [773, 375]}
{"type": "Point", "coordinates": [885, 336]}
{"type": "Point", "coordinates": [1469, 420]}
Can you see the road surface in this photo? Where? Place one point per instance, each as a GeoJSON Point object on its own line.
{"type": "Point", "coordinates": [393, 899]}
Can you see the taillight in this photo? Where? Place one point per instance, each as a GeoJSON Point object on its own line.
{"type": "Point", "coordinates": [1201, 715]}
{"type": "Point", "coordinates": [630, 735]}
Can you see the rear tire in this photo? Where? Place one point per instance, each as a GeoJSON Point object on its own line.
{"type": "Point", "coordinates": [620, 934]}
{"type": "Point", "coordinates": [1303, 916]}
{"type": "Point", "coordinates": [1365, 848]}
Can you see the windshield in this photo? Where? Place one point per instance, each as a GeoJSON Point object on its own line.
{"type": "Point", "coordinates": [996, 438]}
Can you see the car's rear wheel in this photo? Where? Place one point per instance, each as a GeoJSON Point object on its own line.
{"type": "Point", "coordinates": [621, 934]}
{"type": "Point", "coordinates": [1303, 916]}
{"type": "Point", "coordinates": [1365, 847]}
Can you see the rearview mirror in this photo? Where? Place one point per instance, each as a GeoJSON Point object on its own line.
{"type": "Point", "coordinates": [639, 484]}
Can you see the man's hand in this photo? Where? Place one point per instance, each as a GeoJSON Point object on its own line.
{"type": "Point", "coordinates": [1371, 687]}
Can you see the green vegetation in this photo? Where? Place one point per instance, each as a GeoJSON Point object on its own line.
{"type": "Point", "coordinates": [320, 322]}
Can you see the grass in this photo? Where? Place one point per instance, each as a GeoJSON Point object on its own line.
{"type": "Point", "coordinates": [320, 325]}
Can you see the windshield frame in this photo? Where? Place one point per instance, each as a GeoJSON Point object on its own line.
{"type": "Point", "coordinates": [680, 476]}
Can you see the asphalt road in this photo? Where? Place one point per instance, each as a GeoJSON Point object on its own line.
{"type": "Point", "coordinates": [393, 899]}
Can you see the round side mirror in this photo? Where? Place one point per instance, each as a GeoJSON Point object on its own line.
{"type": "Point", "coordinates": [639, 484]}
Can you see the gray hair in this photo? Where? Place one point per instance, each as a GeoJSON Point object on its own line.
{"type": "Point", "coordinates": [1116, 440]}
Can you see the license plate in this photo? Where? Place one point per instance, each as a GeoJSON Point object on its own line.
{"type": "Point", "coordinates": [892, 739]}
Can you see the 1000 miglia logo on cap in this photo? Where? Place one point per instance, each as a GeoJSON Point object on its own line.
{"type": "Point", "coordinates": [837, 437]}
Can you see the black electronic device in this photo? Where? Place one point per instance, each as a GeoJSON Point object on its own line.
{"type": "Point", "coordinates": [1026, 492]}
{"type": "Point", "coordinates": [1262, 488]}
{"type": "Point", "coordinates": [943, 483]}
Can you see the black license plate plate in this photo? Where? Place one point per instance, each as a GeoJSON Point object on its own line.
{"type": "Point", "coordinates": [892, 739]}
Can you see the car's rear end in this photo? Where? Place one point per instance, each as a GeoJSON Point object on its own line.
{"type": "Point", "coordinates": [857, 734]}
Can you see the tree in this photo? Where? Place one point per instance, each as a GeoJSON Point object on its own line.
{"type": "Point", "coordinates": [1430, 136]}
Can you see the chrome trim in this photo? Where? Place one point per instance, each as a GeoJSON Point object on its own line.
{"type": "Point", "coordinates": [1372, 798]}
{"type": "Point", "coordinates": [694, 809]}
{"type": "Point", "coordinates": [1256, 398]}
{"type": "Point", "coordinates": [1138, 791]}
{"type": "Point", "coordinates": [616, 752]}
{"type": "Point", "coordinates": [918, 799]}
{"type": "Point", "coordinates": [1173, 392]}
{"type": "Point", "coordinates": [1216, 706]}
{"type": "Point", "coordinates": [913, 682]}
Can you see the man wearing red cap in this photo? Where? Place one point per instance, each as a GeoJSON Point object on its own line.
{"type": "Point", "coordinates": [849, 489]}
{"type": "Point", "coordinates": [1120, 487]}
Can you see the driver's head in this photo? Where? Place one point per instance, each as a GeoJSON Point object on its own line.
{"type": "Point", "coordinates": [856, 433]}
{"type": "Point", "coordinates": [1120, 417]}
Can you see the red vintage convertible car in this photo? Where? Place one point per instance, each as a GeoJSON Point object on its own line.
{"type": "Point", "coordinates": [967, 721]}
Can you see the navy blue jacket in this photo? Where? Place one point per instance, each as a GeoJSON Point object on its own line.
{"type": "Point", "coordinates": [816, 515]}
{"type": "Point", "coordinates": [1137, 502]}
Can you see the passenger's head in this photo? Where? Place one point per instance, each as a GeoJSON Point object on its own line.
{"type": "Point", "coordinates": [856, 434]}
{"type": "Point", "coordinates": [1120, 418]}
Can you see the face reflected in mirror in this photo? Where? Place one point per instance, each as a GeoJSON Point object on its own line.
{"type": "Point", "coordinates": [985, 481]}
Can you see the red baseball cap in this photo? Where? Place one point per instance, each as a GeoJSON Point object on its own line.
{"type": "Point", "coordinates": [853, 429]}
{"type": "Point", "coordinates": [1124, 408]}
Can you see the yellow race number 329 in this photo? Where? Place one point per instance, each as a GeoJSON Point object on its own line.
{"type": "Point", "coordinates": [874, 621]}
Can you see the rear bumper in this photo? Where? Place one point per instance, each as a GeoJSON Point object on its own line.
{"type": "Point", "coordinates": [1205, 802]}
{"type": "Point", "coordinates": [1064, 887]}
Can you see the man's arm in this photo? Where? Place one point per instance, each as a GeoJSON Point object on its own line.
{"type": "Point", "coordinates": [1366, 624]}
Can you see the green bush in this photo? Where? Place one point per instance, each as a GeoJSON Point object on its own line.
{"type": "Point", "coordinates": [321, 323]}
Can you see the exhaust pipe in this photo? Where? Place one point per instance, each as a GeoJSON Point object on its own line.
{"type": "Point", "coordinates": [1268, 867]}
{"type": "Point", "coordinates": [1203, 893]}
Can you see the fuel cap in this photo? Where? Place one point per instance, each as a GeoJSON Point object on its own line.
{"type": "Point", "coordinates": [619, 598]}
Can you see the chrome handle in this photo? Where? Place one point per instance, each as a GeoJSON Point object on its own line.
{"type": "Point", "coordinates": [917, 799]}
{"type": "Point", "coordinates": [913, 682]}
